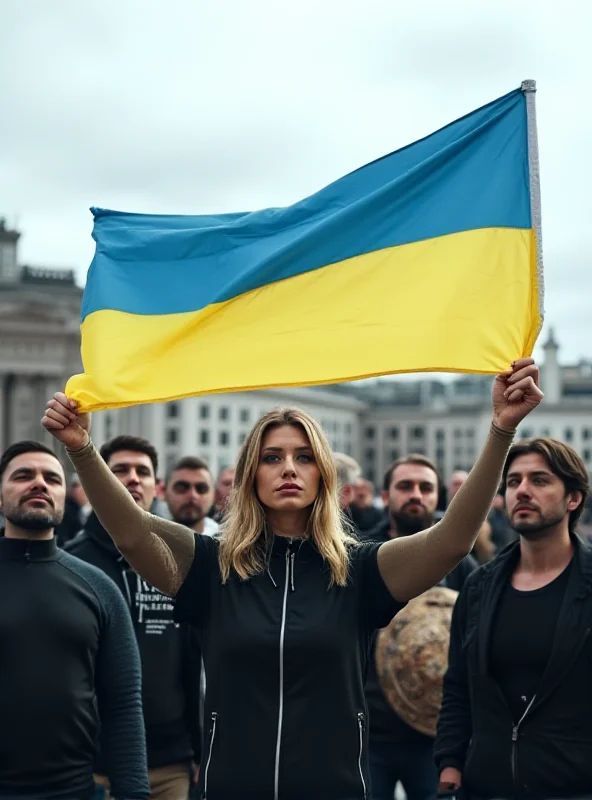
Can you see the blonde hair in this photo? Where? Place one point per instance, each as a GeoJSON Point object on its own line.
{"type": "Point", "coordinates": [244, 524]}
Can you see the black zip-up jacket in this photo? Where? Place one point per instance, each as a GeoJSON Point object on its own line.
{"type": "Point", "coordinates": [285, 657]}
{"type": "Point", "coordinates": [387, 727]}
{"type": "Point", "coordinates": [67, 656]}
{"type": "Point", "coordinates": [549, 754]}
{"type": "Point", "coordinates": [170, 654]}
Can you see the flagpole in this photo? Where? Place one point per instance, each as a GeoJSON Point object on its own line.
{"type": "Point", "coordinates": [529, 89]}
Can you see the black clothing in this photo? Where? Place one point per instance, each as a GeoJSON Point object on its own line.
{"type": "Point", "coordinates": [285, 657]}
{"type": "Point", "coordinates": [365, 519]}
{"type": "Point", "coordinates": [71, 524]}
{"type": "Point", "coordinates": [548, 754]}
{"type": "Point", "coordinates": [68, 655]}
{"type": "Point", "coordinates": [522, 640]}
{"type": "Point", "coordinates": [387, 727]}
{"type": "Point", "coordinates": [170, 654]}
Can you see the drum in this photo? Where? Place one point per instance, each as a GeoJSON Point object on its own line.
{"type": "Point", "coordinates": [412, 657]}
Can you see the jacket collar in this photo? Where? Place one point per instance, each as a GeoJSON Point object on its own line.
{"type": "Point", "coordinates": [28, 550]}
{"type": "Point", "coordinates": [99, 535]}
{"type": "Point", "coordinates": [569, 638]}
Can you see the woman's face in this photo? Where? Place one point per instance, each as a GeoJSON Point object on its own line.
{"type": "Point", "coordinates": [287, 477]}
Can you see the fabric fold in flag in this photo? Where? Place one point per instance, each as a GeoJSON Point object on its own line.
{"type": "Point", "coordinates": [424, 260]}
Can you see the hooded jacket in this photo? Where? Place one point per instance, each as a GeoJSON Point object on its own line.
{"type": "Point", "coordinates": [386, 727]}
{"type": "Point", "coordinates": [285, 655]}
{"type": "Point", "coordinates": [170, 654]}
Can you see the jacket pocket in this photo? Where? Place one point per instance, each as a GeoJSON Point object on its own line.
{"type": "Point", "coordinates": [361, 729]}
{"type": "Point", "coordinates": [209, 750]}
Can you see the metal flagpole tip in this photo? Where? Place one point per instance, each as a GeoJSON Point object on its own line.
{"type": "Point", "coordinates": [528, 86]}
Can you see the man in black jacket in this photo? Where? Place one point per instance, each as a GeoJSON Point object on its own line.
{"type": "Point", "coordinates": [68, 652]}
{"type": "Point", "coordinates": [170, 653]}
{"type": "Point", "coordinates": [399, 753]}
{"type": "Point", "coordinates": [516, 717]}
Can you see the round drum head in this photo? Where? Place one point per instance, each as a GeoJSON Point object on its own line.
{"type": "Point", "coordinates": [412, 657]}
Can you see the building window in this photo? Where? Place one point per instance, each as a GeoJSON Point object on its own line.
{"type": "Point", "coordinates": [223, 413]}
{"type": "Point", "coordinates": [440, 454]}
{"type": "Point", "coordinates": [370, 454]}
{"type": "Point", "coordinates": [172, 436]}
{"type": "Point", "coordinates": [223, 438]}
{"type": "Point", "coordinates": [370, 432]}
{"type": "Point", "coordinates": [568, 435]}
{"type": "Point", "coordinates": [526, 433]}
{"type": "Point", "coordinates": [348, 428]}
{"type": "Point", "coordinates": [394, 432]}
{"type": "Point", "coordinates": [418, 432]}
{"type": "Point", "coordinates": [172, 410]}
{"type": "Point", "coordinates": [586, 434]}
{"type": "Point", "coordinates": [586, 456]}
{"type": "Point", "coordinates": [470, 433]}
{"type": "Point", "coordinates": [241, 438]}
{"type": "Point", "coordinates": [457, 433]}
{"type": "Point", "coordinates": [439, 435]}
{"type": "Point", "coordinates": [204, 437]}
{"type": "Point", "coordinates": [204, 411]}
{"type": "Point", "coordinates": [245, 415]}
{"type": "Point", "coordinates": [395, 455]}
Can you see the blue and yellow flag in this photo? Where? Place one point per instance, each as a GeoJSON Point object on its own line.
{"type": "Point", "coordinates": [424, 260]}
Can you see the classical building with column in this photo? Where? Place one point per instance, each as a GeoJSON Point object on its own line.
{"type": "Point", "coordinates": [39, 339]}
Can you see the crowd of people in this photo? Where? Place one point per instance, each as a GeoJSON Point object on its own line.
{"type": "Point", "coordinates": [215, 636]}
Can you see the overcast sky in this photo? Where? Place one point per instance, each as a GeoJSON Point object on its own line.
{"type": "Point", "coordinates": [191, 106]}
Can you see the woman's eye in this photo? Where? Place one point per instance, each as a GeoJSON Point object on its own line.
{"type": "Point", "coordinates": [269, 459]}
{"type": "Point", "coordinates": [306, 458]}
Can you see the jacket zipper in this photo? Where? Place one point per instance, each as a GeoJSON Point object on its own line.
{"type": "Point", "coordinates": [361, 751]}
{"type": "Point", "coordinates": [213, 718]}
{"type": "Point", "coordinates": [515, 733]}
{"type": "Point", "coordinates": [276, 782]}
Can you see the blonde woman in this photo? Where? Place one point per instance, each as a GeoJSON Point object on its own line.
{"type": "Point", "coordinates": [286, 601]}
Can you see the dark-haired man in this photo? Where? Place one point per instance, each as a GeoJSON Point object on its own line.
{"type": "Point", "coordinates": [68, 652]}
{"type": "Point", "coordinates": [399, 753]}
{"type": "Point", "coordinates": [189, 493]}
{"type": "Point", "coordinates": [171, 656]}
{"type": "Point", "coordinates": [516, 714]}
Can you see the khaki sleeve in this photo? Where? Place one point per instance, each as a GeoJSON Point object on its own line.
{"type": "Point", "coordinates": [161, 551]}
{"type": "Point", "coordinates": [410, 565]}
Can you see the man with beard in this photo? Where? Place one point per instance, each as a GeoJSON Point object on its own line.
{"type": "Point", "coordinates": [69, 656]}
{"type": "Point", "coordinates": [189, 494]}
{"type": "Point", "coordinates": [398, 753]}
{"type": "Point", "coordinates": [170, 654]}
{"type": "Point", "coordinates": [516, 715]}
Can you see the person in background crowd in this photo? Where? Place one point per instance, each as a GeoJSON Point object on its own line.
{"type": "Point", "coordinates": [363, 512]}
{"type": "Point", "coordinates": [171, 656]}
{"type": "Point", "coordinates": [502, 533]}
{"type": "Point", "coordinates": [455, 481]}
{"type": "Point", "coordinates": [189, 494]}
{"type": "Point", "coordinates": [484, 549]}
{"type": "Point", "coordinates": [515, 718]}
{"type": "Point", "coordinates": [399, 753]}
{"type": "Point", "coordinates": [223, 488]}
{"type": "Point", "coordinates": [76, 511]}
{"type": "Point", "coordinates": [348, 470]}
{"type": "Point", "coordinates": [285, 600]}
{"type": "Point", "coordinates": [69, 656]}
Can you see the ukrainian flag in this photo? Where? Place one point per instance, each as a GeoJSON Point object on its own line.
{"type": "Point", "coordinates": [423, 260]}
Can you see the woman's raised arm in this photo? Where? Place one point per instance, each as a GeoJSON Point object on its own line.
{"type": "Point", "coordinates": [161, 551]}
{"type": "Point", "coordinates": [410, 565]}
